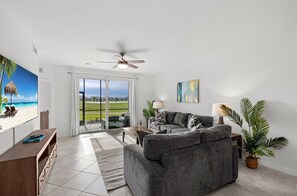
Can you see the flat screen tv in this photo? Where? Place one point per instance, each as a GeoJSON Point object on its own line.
{"type": "Point", "coordinates": [18, 94]}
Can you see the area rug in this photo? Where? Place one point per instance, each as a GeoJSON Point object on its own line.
{"type": "Point", "coordinates": [109, 154]}
{"type": "Point", "coordinates": [111, 166]}
{"type": "Point", "coordinates": [106, 143]}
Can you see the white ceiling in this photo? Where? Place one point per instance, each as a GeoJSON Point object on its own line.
{"type": "Point", "coordinates": [168, 33]}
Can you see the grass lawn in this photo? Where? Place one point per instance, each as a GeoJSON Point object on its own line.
{"type": "Point", "coordinates": [115, 109]}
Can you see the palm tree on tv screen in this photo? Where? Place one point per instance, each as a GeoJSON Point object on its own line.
{"type": "Point", "coordinates": [7, 67]}
{"type": "Point", "coordinates": [11, 89]}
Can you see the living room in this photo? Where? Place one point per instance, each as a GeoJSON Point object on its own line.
{"type": "Point", "coordinates": [234, 49]}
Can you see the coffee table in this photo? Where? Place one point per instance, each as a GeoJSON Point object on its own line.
{"type": "Point", "coordinates": [132, 131]}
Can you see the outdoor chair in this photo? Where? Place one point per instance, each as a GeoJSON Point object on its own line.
{"type": "Point", "coordinates": [14, 110]}
{"type": "Point", "coordinates": [8, 111]}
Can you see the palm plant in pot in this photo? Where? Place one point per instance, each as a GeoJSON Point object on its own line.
{"type": "Point", "coordinates": [149, 111]}
{"type": "Point", "coordinates": [255, 141]}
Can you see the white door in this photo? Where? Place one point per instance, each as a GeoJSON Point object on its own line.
{"type": "Point", "coordinates": [45, 94]}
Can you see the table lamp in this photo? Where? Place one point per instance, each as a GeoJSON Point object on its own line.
{"type": "Point", "coordinates": [157, 105]}
{"type": "Point", "coordinates": [217, 111]}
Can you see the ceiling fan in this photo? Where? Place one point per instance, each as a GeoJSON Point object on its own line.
{"type": "Point", "coordinates": [123, 63]}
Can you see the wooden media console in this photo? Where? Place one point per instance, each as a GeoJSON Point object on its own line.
{"type": "Point", "coordinates": [25, 167]}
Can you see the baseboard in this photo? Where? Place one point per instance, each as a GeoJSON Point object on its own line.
{"type": "Point", "coordinates": [279, 168]}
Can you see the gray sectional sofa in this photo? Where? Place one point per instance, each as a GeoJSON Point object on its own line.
{"type": "Point", "coordinates": [177, 122]}
{"type": "Point", "coordinates": [188, 163]}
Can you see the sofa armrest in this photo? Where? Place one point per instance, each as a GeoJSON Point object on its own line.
{"type": "Point", "coordinates": [143, 176]}
{"type": "Point", "coordinates": [149, 121]}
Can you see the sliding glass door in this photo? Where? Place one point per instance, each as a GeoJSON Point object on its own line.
{"type": "Point", "coordinates": [104, 104]}
{"type": "Point", "coordinates": [92, 104]}
{"type": "Point", "coordinates": [118, 104]}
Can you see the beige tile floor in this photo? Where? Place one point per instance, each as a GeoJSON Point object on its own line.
{"type": "Point", "coordinates": [76, 172]}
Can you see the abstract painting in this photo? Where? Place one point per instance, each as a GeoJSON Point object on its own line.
{"type": "Point", "coordinates": [188, 91]}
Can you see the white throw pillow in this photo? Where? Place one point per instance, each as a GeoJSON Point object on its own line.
{"type": "Point", "coordinates": [193, 121]}
{"type": "Point", "coordinates": [197, 127]}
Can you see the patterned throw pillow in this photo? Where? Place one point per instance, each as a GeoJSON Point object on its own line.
{"type": "Point", "coordinates": [197, 127]}
{"type": "Point", "coordinates": [193, 121]}
{"type": "Point", "coordinates": [160, 117]}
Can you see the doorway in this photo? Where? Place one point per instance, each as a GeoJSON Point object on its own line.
{"type": "Point", "coordinates": [103, 104]}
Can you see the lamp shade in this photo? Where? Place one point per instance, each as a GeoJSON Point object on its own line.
{"type": "Point", "coordinates": [216, 109]}
{"type": "Point", "coordinates": [157, 105]}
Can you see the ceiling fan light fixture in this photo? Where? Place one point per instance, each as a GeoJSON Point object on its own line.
{"type": "Point", "coordinates": [122, 66]}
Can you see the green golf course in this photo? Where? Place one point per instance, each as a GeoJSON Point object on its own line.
{"type": "Point", "coordinates": [92, 109]}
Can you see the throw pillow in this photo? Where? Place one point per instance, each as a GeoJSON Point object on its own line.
{"type": "Point", "coordinates": [181, 119]}
{"type": "Point", "coordinates": [170, 117]}
{"type": "Point", "coordinates": [160, 117]}
{"type": "Point", "coordinates": [193, 121]}
{"type": "Point", "coordinates": [197, 127]}
{"type": "Point", "coordinates": [162, 132]}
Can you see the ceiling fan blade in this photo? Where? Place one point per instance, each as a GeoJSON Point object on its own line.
{"type": "Point", "coordinates": [135, 61]}
{"type": "Point", "coordinates": [107, 50]}
{"type": "Point", "coordinates": [132, 66]}
{"type": "Point", "coordinates": [115, 66]}
{"type": "Point", "coordinates": [118, 56]}
{"type": "Point", "coordinates": [137, 50]}
{"type": "Point", "coordinates": [105, 62]}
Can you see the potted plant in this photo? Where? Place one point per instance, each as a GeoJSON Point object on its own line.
{"type": "Point", "coordinates": [149, 111]}
{"type": "Point", "coordinates": [255, 141]}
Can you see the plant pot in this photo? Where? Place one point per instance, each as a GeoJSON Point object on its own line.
{"type": "Point", "coordinates": [252, 163]}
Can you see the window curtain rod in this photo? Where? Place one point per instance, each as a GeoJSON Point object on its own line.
{"type": "Point", "coordinates": [86, 74]}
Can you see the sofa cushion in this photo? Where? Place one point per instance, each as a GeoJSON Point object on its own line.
{"type": "Point", "coordinates": [168, 127]}
{"type": "Point", "coordinates": [155, 145]}
{"type": "Point", "coordinates": [141, 135]}
{"type": "Point", "coordinates": [170, 117]}
{"type": "Point", "coordinates": [193, 121]}
{"type": "Point", "coordinates": [217, 132]}
{"type": "Point", "coordinates": [181, 119]}
{"type": "Point", "coordinates": [207, 121]}
{"type": "Point", "coordinates": [155, 125]}
{"type": "Point", "coordinates": [179, 130]}
{"type": "Point", "coordinates": [160, 117]}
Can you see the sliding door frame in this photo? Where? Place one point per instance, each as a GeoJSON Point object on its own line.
{"type": "Point", "coordinates": [131, 102]}
{"type": "Point", "coordinates": [131, 95]}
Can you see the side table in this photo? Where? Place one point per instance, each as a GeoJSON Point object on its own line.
{"type": "Point", "coordinates": [238, 138]}
{"type": "Point", "coordinates": [132, 131]}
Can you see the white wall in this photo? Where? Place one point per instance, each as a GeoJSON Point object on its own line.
{"type": "Point", "coordinates": [144, 93]}
{"type": "Point", "coordinates": [17, 46]}
{"type": "Point", "coordinates": [260, 69]}
{"type": "Point", "coordinates": [61, 92]}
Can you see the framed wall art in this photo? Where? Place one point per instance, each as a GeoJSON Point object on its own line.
{"type": "Point", "coordinates": [188, 91]}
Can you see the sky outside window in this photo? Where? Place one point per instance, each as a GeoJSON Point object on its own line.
{"type": "Point", "coordinates": [116, 88]}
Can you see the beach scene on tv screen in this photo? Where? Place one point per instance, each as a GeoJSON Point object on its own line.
{"type": "Point", "coordinates": [18, 94]}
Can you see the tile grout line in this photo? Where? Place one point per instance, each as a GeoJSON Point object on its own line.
{"type": "Point", "coordinates": [79, 172]}
{"type": "Point", "coordinates": [61, 186]}
{"type": "Point", "coordinates": [91, 184]}
{"type": "Point", "coordinates": [52, 190]}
